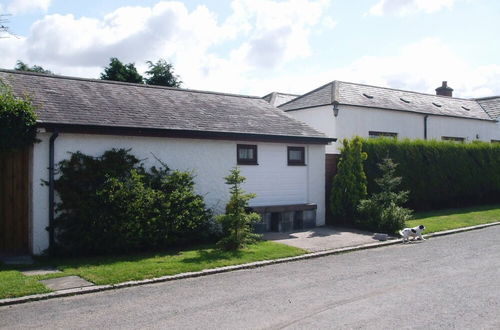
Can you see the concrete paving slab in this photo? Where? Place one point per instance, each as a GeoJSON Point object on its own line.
{"type": "Point", "coordinates": [40, 271]}
{"type": "Point", "coordinates": [66, 282]}
{"type": "Point", "coordinates": [17, 260]}
{"type": "Point", "coordinates": [323, 238]}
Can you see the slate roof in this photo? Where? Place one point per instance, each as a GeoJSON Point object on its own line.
{"type": "Point", "coordinates": [387, 98]}
{"type": "Point", "coordinates": [491, 105]}
{"type": "Point", "coordinates": [276, 98]}
{"type": "Point", "coordinates": [98, 103]}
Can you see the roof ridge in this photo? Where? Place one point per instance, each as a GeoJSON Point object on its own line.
{"type": "Point", "coordinates": [486, 98]}
{"type": "Point", "coordinates": [403, 90]}
{"type": "Point", "coordinates": [56, 76]}
{"type": "Point", "coordinates": [303, 95]}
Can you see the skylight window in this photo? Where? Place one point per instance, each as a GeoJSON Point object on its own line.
{"type": "Point", "coordinates": [436, 104]}
{"type": "Point", "coordinates": [466, 109]}
{"type": "Point", "coordinates": [367, 96]}
{"type": "Point", "coordinates": [404, 100]}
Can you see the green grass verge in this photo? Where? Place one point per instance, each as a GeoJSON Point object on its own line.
{"type": "Point", "coordinates": [455, 218]}
{"type": "Point", "coordinates": [116, 269]}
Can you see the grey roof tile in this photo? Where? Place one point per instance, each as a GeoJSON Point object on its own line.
{"type": "Point", "coordinates": [66, 100]}
{"type": "Point", "coordinates": [387, 98]}
{"type": "Point", "coordinates": [491, 105]}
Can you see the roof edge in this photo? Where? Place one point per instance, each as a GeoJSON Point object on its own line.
{"type": "Point", "coordinates": [180, 133]}
{"type": "Point", "coordinates": [55, 76]}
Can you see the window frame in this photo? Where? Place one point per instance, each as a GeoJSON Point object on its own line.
{"type": "Point", "coordinates": [456, 139]}
{"type": "Point", "coordinates": [292, 162]}
{"type": "Point", "coordinates": [244, 161]}
{"type": "Point", "coordinates": [380, 134]}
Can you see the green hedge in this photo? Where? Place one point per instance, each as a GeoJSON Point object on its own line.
{"type": "Point", "coordinates": [439, 174]}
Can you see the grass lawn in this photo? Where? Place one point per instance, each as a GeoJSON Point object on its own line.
{"type": "Point", "coordinates": [116, 269]}
{"type": "Point", "coordinates": [455, 218]}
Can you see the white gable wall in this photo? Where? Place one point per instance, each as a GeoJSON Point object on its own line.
{"type": "Point", "coordinates": [274, 182]}
{"type": "Point", "coordinates": [353, 120]}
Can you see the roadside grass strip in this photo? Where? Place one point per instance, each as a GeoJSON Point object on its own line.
{"type": "Point", "coordinates": [117, 269]}
{"type": "Point", "coordinates": [442, 220]}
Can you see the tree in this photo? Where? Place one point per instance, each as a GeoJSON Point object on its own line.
{"type": "Point", "coordinates": [236, 222]}
{"type": "Point", "coordinates": [21, 66]}
{"type": "Point", "coordinates": [118, 71]}
{"type": "Point", "coordinates": [162, 73]}
{"type": "Point", "coordinates": [383, 210]}
{"type": "Point", "coordinates": [349, 184]}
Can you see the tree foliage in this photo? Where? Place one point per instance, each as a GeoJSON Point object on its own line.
{"type": "Point", "coordinates": [111, 204]}
{"type": "Point", "coordinates": [117, 71]}
{"type": "Point", "coordinates": [236, 222]}
{"type": "Point", "coordinates": [383, 211]}
{"type": "Point", "coordinates": [21, 66]}
{"type": "Point", "coordinates": [349, 184]}
{"type": "Point", "coordinates": [17, 121]}
{"type": "Point", "coordinates": [162, 73]}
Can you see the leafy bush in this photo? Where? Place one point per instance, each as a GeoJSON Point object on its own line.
{"type": "Point", "coordinates": [383, 211]}
{"type": "Point", "coordinates": [17, 121]}
{"type": "Point", "coordinates": [439, 174]}
{"type": "Point", "coordinates": [236, 222]}
{"type": "Point", "coordinates": [349, 184]}
{"type": "Point", "coordinates": [111, 204]}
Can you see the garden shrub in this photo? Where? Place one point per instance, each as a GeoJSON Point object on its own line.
{"type": "Point", "coordinates": [349, 184]}
{"type": "Point", "coordinates": [236, 222]}
{"type": "Point", "coordinates": [383, 211]}
{"type": "Point", "coordinates": [17, 121]}
{"type": "Point", "coordinates": [111, 204]}
{"type": "Point", "coordinates": [439, 174]}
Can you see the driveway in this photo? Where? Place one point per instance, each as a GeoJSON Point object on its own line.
{"type": "Point", "coordinates": [448, 282]}
{"type": "Point", "coordinates": [322, 238]}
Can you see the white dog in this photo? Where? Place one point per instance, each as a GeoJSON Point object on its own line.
{"type": "Point", "coordinates": [412, 232]}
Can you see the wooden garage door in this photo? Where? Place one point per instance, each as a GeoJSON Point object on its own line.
{"type": "Point", "coordinates": [14, 198]}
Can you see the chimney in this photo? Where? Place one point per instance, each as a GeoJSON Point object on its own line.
{"type": "Point", "coordinates": [444, 90]}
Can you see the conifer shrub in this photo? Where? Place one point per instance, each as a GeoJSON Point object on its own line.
{"type": "Point", "coordinates": [237, 222]}
{"type": "Point", "coordinates": [383, 211]}
{"type": "Point", "coordinates": [112, 204]}
{"type": "Point", "coordinates": [349, 184]}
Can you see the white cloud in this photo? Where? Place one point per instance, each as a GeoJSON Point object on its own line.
{"type": "Point", "coordinates": [420, 66]}
{"type": "Point", "coordinates": [17, 7]}
{"type": "Point", "coordinates": [406, 7]}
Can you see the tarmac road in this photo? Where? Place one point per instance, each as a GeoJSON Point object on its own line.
{"type": "Point", "coordinates": [442, 283]}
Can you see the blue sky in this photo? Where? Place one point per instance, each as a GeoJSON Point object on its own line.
{"type": "Point", "coordinates": [258, 46]}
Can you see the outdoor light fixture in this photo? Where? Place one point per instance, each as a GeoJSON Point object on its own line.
{"type": "Point", "coordinates": [335, 109]}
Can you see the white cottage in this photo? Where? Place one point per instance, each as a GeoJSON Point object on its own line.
{"type": "Point", "coordinates": [204, 132]}
{"type": "Point", "coordinates": [344, 110]}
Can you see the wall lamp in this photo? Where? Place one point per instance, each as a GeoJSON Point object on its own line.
{"type": "Point", "coordinates": [335, 109]}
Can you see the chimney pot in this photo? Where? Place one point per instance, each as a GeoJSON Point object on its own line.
{"type": "Point", "coordinates": [444, 90]}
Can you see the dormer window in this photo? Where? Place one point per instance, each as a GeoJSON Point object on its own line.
{"type": "Point", "coordinates": [404, 100]}
{"type": "Point", "coordinates": [367, 96]}
{"type": "Point", "coordinates": [466, 109]}
{"type": "Point", "coordinates": [436, 104]}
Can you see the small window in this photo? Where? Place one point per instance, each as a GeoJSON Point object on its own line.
{"type": "Point", "coordinates": [247, 154]}
{"type": "Point", "coordinates": [436, 104]}
{"type": "Point", "coordinates": [453, 139]}
{"type": "Point", "coordinates": [367, 96]}
{"type": "Point", "coordinates": [465, 108]}
{"type": "Point", "coordinates": [404, 100]}
{"type": "Point", "coordinates": [374, 135]}
{"type": "Point", "coordinates": [296, 156]}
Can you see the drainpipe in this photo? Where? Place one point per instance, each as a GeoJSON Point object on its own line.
{"type": "Point", "coordinates": [52, 139]}
{"type": "Point", "coordinates": [425, 126]}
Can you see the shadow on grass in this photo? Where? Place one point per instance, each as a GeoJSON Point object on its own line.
{"type": "Point", "coordinates": [456, 211]}
{"type": "Point", "coordinates": [213, 255]}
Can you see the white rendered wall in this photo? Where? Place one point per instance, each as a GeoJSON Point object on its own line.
{"type": "Point", "coordinates": [352, 121]}
{"type": "Point", "coordinates": [272, 180]}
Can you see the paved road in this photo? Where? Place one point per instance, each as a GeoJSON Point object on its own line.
{"type": "Point", "coordinates": [447, 282]}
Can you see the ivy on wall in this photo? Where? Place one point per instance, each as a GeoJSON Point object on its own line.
{"type": "Point", "coordinates": [17, 121]}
